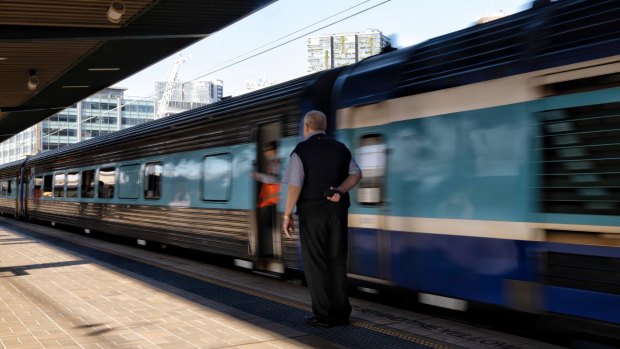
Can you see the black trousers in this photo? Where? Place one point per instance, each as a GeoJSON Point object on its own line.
{"type": "Point", "coordinates": [266, 220]}
{"type": "Point", "coordinates": [324, 246]}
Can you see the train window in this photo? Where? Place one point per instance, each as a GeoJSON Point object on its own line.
{"type": "Point", "coordinates": [38, 186]}
{"type": "Point", "coordinates": [47, 186]}
{"type": "Point", "coordinates": [371, 157]}
{"type": "Point", "coordinates": [87, 190]}
{"type": "Point", "coordinates": [59, 185]}
{"type": "Point", "coordinates": [8, 188]}
{"type": "Point", "coordinates": [217, 176]}
{"type": "Point", "coordinates": [107, 179]}
{"type": "Point", "coordinates": [129, 182]}
{"type": "Point", "coordinates": [3, 188]}
{"type": "Point", "coordinates": [72, 184]}
{"type": "Point", "coordinates": [153, 179]}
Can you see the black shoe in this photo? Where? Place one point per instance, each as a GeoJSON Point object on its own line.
{"type": "Point", "coordinates": [339, 322]}
{"type": "Point", "coordinates": [314, 321]}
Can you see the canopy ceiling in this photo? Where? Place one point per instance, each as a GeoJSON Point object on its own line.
{"type": "Point", "coordinates": [76, 51]}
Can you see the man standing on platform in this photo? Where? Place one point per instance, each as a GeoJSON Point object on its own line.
{"type": "Point", "coordinates": [319, 175]}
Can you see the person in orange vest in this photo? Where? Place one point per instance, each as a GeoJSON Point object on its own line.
{"type": "Point", "coordinates": [268, 198]}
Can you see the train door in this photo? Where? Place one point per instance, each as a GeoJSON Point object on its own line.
{"type": "Point", "coordinates": [268, 175]}
{"type": "Point", "coordinates": [368, 240]}
{"type": "Point", "coordinates": [22, 192]}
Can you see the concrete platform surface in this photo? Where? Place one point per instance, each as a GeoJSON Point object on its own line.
{"type": "Point", "coordinates": [66, 290]}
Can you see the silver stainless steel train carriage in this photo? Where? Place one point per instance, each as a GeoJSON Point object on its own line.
{"type": "Point", "coordinates": [183, 180]}
{"type": "Point", "coordinates": [490, 158]}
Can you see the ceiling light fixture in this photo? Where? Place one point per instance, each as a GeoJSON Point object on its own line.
{"type": "Point", "coordinates": [115, 11]}
{"type": "Point", "coordinates": [33, 80]}
{"type": "Point", "coordinates": [3, 58]}
{"type": "Point", "coordinates": [103, 69]}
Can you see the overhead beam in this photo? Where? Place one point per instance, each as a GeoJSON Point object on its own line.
{"type": "Point", "coordinates": [22, 33]}
{"type": "Point", "coordinates": [29, 108]}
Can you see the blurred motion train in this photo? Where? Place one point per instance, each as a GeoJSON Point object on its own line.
{"type": "Point", "coordinates": [491, 163]}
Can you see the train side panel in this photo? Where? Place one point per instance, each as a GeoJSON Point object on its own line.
{"type": "Point", "coordinates": [485, 204]}
{"type": "Point", "coordinates": [9, 189]}
{"type": "Point", "coordinates": [189, 210]}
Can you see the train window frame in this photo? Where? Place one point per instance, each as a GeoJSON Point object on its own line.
{"type": "Point", "coordinates": [37, 187]}
{"type": "Point", "coordinates": [71, 191]}
{"type": "Point", "coordinates": [152, 189]}
{"type": "Point", "coordinates": [371, 189]}
{"type": "Point", "coordinates": [6, 186]}
{"type": "Point", "coordinates": [59, 193]}
{"type": "Point", "coordinates": [129, 181]}
{"type": "Point", "coordinates": [217, 197]}
{"type": "Point", "coordinates": [106, 191]}
{"type": "Point", "coordinates": [88, 191]}
{"type": "Point", "coordinates": [47, 186]}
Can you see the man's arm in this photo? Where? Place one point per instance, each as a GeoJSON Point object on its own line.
{"type": "Point", "coordinates": [292, 195]}
{"type": "Point", "coordinates": [349, 183]}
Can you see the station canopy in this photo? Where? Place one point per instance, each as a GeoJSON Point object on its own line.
{"type": "Point", "coordinates": [56, 53]}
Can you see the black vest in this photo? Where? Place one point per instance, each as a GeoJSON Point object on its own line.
{"type": "Point", "coordinates": [326, 164]}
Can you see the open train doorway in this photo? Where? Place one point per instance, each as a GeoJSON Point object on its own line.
{"type": "Point", "coordinates": [268, 176]}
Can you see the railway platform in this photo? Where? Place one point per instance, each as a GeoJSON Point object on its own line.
{"type": "Point", "coordinates": [66, 290]}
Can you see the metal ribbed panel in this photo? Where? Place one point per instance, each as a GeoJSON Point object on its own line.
{"type": "Point", "coordinates": [26, 56]}
{"type": "Point", "coordinates": [177, 15]}
{"type": "Point", "coordinates": [10, 169]}
{"type": "Point", "coordinates": [592, 273]}
{"type": "Point", "coordinates": [7, 205]}
{"type": "Point", "coordinates": [74, 13]}
{"type": "Point", "coordinates": [580, 150]}
{"type": "Point", "coordinates": [216, 231]}
{"type": "Point", "coordinates": [495, 45]}
{"type": "Point", "coordinates": [580, 24]}
{"type": "Point", "coordinates": [559, 33]}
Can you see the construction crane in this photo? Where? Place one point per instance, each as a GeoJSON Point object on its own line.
{"type": "Point", "coordinates": [162, 106]}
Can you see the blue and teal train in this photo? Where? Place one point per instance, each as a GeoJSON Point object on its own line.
{"type": "Point", "coordinates": [491, 163]}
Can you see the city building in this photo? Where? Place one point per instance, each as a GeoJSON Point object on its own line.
{"type": "Point", "coordinates": [491, 17]}
{"type": "Point", "coordinates": [20, 145]}
{"type": "Point", "coordinates": [188, 95]}
{"type": "Point", "coordinates": [336, 50]}
{"type": "Point", "coordinates": [104, 112]}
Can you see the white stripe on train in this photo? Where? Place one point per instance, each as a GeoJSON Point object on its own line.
{"type": "Point", "coordinates": [528, 231]}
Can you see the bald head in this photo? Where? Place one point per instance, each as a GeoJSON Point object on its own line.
{"type": "Point", "coordinates": [315, 121]}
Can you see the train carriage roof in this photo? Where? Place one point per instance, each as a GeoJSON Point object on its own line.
{"type": "Point", "coordinates": [559, 33]}
{"type": "Point", "coordinates": [196, 128]}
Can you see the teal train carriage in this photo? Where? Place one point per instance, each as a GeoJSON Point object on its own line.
{"type": "Point", "coordinates": [490, 160]}
{"type": "Point", "coordinates": [490, 156]}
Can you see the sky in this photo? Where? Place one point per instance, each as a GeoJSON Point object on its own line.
{"type": "Point", "coordinates": [282, 28]}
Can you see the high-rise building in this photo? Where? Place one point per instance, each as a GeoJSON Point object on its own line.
{"type": "Point", "coordinates": [20, 145]}
{"type": "Point", "coordinates": [104, 112]}
{"type": "Point", "coordinates": [188, 95]}
{"type": "Point", "coordinates": [336, 50]}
